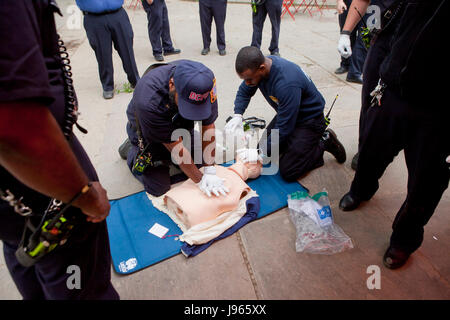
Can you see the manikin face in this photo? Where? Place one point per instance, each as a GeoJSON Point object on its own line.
{"type": "Point", "coordinates": [253, 77]}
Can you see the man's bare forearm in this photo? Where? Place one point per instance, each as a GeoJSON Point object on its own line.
{"type": "Point", "coordinates": [34, 150]}
{"type": "Point", "coordinates": [209, 144]}
{"type": "Point", "coordinates": [352, 16]}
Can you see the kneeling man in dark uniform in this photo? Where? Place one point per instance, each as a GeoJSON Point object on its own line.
{"type": "Point", "coordinates": [168, 98]}
{"type": "Point", "coordinates": [303, 136]}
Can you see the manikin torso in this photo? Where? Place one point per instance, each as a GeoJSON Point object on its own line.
{"type": "Point", "coordinates": [193, 207]}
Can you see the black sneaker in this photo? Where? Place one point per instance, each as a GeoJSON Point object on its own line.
{"type": "Point", "coordinates": [108, 94]}
{"type": "Point", "coordinates": [341, 70]}
{"type": "Point", "coordinates": [333, 146]}
{"type": "Point", "coordinates": [222, 52]}
{"type": "Point", "coordinates": [158, 57]}
{"type": "Point", "coordinates": [395, 258]}
{"type": "Point", "coordinates": [173, 51]}
{"type": "Point", "coordinates": [205, 51]}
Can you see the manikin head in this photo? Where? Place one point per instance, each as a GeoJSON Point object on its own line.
{"type": "Point", "coordinates": [248, 170]}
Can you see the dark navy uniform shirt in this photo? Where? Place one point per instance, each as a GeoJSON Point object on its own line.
{"type": "Point", "coordinates": [417, 59]}
{"type": "Point", "coordinates": [289, 91]}
{"type": "Point", "coordinates": [30, 69]}
{"type": "Point", "coordinates": [158, 118]}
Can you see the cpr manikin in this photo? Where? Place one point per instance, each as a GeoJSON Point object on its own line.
{"type": "Point", "coordinates": [192, 206]}
{"type": "Point", "coordinates": [203, 218]}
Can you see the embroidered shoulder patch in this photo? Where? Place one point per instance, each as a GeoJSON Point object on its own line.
{"type": "Point", "coordinates": [274, 99]}
{"type": "Point", "coordinates": [213, 93]}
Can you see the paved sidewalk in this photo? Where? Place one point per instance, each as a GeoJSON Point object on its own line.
{"type": "Point", "coordinates": [259, 261]}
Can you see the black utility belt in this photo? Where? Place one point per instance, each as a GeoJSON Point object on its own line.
{"type": "Point", "coordinates": [145, 160]}
{"type": "Point", "coordinates": [101, 13]}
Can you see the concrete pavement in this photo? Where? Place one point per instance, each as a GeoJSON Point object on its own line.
{"type": "Point", "coordinates": [259, 261]}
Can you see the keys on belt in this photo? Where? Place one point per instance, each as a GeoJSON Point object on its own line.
{"type": "Point", "coordinates": [377, 94]}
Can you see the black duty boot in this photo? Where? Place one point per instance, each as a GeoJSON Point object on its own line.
{"type": "Point", "coordinates": [341, 70]}
{"type": "Point", "coordinates": [158, 57]}
{"type": "Point", "coordinates": [333, 146]}
{"type": "Point", "coordinates": [355, 79]}
{"type": "Point", "coordinates": [349, 202]}
{"type": "Point", "coordinates": [173, 51]}
{"type": "Point", "coordinates": [395, 258]}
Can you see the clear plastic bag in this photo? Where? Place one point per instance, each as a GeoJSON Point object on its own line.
{"type": "Point", "coordinates": [313, 220]}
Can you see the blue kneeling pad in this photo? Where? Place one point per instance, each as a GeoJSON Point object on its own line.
{"type": "Point", "coordinates": [134, 248]}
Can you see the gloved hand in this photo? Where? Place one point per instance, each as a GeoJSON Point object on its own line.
{"type": "Point", "coordinates": [234, 124]}
{"type": "Point", "coordinates": [249, 155]}
{"type": "Point", "coordinates": [211, 183]}
{"type": "Point", "coordinates": [344, 46]}
{"type": "Point", "coordinates": [341, 6]}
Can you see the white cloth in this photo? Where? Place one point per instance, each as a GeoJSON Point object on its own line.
{"type": "Point", "coordinates": [209, 230]}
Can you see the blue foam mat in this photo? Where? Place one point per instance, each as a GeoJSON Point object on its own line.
{"type": "Point", "coordinates": [134, 248]}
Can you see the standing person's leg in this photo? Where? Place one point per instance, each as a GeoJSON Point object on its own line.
{"type": "Point", "coordinates": [375, 56]}
{"type": "Point", "coordinates": [205, 13]}
{"type": "Point", "coordinates": [122, 37]}
{"type": "Point", "coordinates": [345, 62]}
{"type": "Point", "coordinates": [220, 11]}
{"type": "Point", "coordinates": [384, 135]}
{"type": "Point", "coordinates": [155, 24]}
{"type": "Point", "coordinates": [165, 35]}
{"type": "Point", "coordinates": [86, 250]}
{"type": "Point", "coordinates": [359, 54]}
{"type": "Point", "coordinates": [99, 37]}
{"type": "Point", "coordinates": [24, 278]}
{"type": "Point", "coordinates": [428, 177]}
{"type": "Point", "coordinates": [11, 229]}
{"type": "Point", "coordinates": [274, 11]}
{"type": "Point", "coordinates": [258, 19]}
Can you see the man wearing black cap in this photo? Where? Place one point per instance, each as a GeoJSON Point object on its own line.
{"type": "Point", "coordinates": [168, 98]}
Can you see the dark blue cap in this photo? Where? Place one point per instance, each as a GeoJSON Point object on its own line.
{"type": "Point", "coordinates": [195, 85]}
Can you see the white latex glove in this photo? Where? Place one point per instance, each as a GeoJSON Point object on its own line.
{"type": "Point", "coordinates": [234, 125]}
{"type": "Point", "coordinates": [211, 183]}
{"type": "Point", "coordinates": [249, 155]}
{"type": "Point", "coordinates": [344, 46]}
